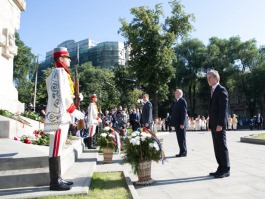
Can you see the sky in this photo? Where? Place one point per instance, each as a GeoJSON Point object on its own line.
{"type": "Point", "coordinates": [46, 24]}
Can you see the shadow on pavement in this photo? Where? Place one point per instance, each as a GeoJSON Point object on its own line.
{"type": "Point", "coordinates": [179, 180]}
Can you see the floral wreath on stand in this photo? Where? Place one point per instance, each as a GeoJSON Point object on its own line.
{"type": "Point", "coordinates": [142, 145]}
{"type": "Point", "coordinates": [108, 137]}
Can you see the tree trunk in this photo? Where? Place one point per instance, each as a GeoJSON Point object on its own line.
{"type": "Point", "coordinates": [155, 107]}
{"type": "Point", "coordinates": [194, 99]}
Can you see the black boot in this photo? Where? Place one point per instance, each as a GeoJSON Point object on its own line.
{"type": "Point", "coordinates": [57, 183]}
{"type": "Point", "coordinates": [90, 143]}
{"type": "Point", "coordinates": [64, 181]}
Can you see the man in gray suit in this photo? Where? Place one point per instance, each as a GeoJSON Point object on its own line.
{"type": "Point", "coordinates": [147, 112]}
{"type": "Point", "coordinates": [218, 116]}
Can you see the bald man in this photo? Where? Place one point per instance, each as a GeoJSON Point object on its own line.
{"type": "Point", "coordinates": [179, 121]}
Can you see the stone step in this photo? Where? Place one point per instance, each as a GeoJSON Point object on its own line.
{"type": "Point", "coordinates": [23, 163]}
{"type": "Point", "coordinates": [80, 173]}
{"type": "Point", "coordinates": [24, 178]}
{"type": "Point", "coordinates": [10, 128]}
{"type": "Point", "coordinates": [29, 166]}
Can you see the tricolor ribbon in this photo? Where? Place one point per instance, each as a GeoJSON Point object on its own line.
{"type": "Point", "coordinates": [157, 141]}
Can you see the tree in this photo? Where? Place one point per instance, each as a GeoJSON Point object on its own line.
{"type": "Point", "coordinates": [191, 55]}
{"type": "Point", "coordinates": [151, 43]}
{"type": "Point", "coordinates": [23, 71]}
{"type": "Point", "coordinates": [99, 81]}
{"type": "Point", "coordinates": [42, 95]}
{"type": "Point", "coordinates": [236, 60]}
{"type": "Point", "coordinates": [126, 83]}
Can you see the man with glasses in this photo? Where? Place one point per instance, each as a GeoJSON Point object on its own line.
{"type": "Point", "coordinates": [60, 112]}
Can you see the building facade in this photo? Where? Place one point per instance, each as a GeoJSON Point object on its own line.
{"type": "Point", "coordinates": [104, 54]}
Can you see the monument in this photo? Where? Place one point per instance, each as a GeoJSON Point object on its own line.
{"type": "Point", "coordinates": [9, 23]}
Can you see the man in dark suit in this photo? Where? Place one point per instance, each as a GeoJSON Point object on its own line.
{"type": "Point", "coordinates": [179, 121]}
{"type": "Point", "coordinates": [134, 120]}
{"type": "Point", "coordinates": [147, 112]}
{"type": "Point", "coordinates": [218, 115]}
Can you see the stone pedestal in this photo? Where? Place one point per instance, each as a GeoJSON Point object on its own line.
{"type": "Point", "coordinates": [9, 23]}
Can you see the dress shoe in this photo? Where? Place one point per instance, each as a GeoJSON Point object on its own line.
{"type": "Point", "coordinates": [181, 155]}
{"type": "Point", "coordinates": [213, 173]}
{"type": "Point", "coordinates": [222, 174]}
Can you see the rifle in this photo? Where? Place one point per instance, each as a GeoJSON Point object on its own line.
{"type": "Point", "coordinates": [80, 123]}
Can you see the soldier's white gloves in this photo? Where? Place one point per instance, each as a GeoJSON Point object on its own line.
{"type": "Point", "coordinates": [78, 114]}
{"type": "Point", "coordinates": [81, 97]}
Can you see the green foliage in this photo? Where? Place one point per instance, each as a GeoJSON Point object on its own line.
{"type": "Point", "coordinates": [140, 146]}
{"type": "Point", "coordinates": [23, 71]}
{"type": "Point", "coordinates": [126, 83]}
{"type": "Point", "coordinates": [33, 115]}
{"type": "Point", "coordinates": [106, 138]}
{"type": "Point", "coordinates": [259, 136]}
{"type": "Point", "coordinates": [151, 46]}
{"type": "Point", "coordinates": [191, 55]}
{"type": "Point", "coordinates": [103, 185]}
{"type": "Point", "coordinates": [6, 113]}
{"type": "Point", "coordinates": [38, 137]}
{"type": "Point", "coordinates": [108, 185]}
{"type": "Point", "coordinates": [42, 95]}
{"type": "Point", "coordinates": [13, 116]}
{"type": "Point", "coordinates": [99, 81]}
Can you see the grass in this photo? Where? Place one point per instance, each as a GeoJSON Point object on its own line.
{"type": "Point", "coordinates": [260, 136]}
{"type": "Point", "coordinates": [104, 185]}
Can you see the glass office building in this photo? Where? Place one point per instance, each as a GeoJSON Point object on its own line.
{"type": "Point", "coordinates": [104, 54]}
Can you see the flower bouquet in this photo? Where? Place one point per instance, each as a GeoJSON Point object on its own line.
{"type": "Point", "coordinates": [140, 149]}
{"type": "Point", "coordinates": [106, 138]}
{"type": "Point", "coordinates": [39, 138]}
{"type": "Point", "coordinates": [108, 141]}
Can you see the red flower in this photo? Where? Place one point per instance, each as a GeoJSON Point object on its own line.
{"type": "Point", "coordinates": [114, 143]}
{"type": "Point", "coordinates": [16, 138]}
{"type": "Point", "coordinates": [27, 141]}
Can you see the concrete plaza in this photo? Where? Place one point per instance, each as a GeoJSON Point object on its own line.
{"type": "Point", "coordinates": [185, 177]}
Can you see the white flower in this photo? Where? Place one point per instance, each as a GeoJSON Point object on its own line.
{"type": "Point", "coordinates": [103, 135]}
{"type": "Point", "coordinates": [135, 141]}
{"type": "Point", "coordinates": [151, 145]}
{"type": "Point", "coordinates": [135, 133]}
{"type": "Point", "coordinates": [111, 135]}
{"type": "Point", "coordinates": [156, 146]}
{"type": "Point", "coordinates": [107, 128]}
{"type": "Point", "coordinates": [146, 135]}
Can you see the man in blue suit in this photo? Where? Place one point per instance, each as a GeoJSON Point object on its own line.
{"type": "Point", "coordinates": [179, 121]}
{"type": "Point", "coordinates": [147, 112]}
{"type": "Point", "coordinates": [218, 116]}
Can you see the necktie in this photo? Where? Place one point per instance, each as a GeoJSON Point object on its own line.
{"type": "Point", "coordinates": [212, 89]}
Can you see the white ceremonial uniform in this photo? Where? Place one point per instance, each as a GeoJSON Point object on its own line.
{"type": "Point", "coordinates": [57, 120]}
{"type": "Point", "coordinates": [92, 116]}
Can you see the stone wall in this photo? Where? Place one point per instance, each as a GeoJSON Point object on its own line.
{"type": "Point", "coordinates": [9, 23]}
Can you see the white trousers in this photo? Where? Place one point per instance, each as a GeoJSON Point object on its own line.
{"type": "Point", "coordinates": [92, 130]}
{"type": "Point", "coordinates": [57, 141]}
